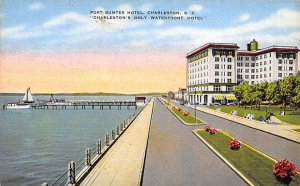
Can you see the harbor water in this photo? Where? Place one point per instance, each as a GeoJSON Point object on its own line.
{"type": "Point", "coordinates": [37, 144]}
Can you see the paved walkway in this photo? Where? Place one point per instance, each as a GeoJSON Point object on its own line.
{"type": "Point", "coordinates": [276, 147]}
{"type": "Point", "coordinates": [280, 130]}
{"type": "Point", "coordinates": [175, 156]}
{"type": "Point", "coordinates": [123, 163]}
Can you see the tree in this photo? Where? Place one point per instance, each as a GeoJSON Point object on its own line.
{"type": "Point", "coordinates": [259, 93]}
{"type": "Point", "coordinates": [286, 91]}
{"type": "Point", "coordinates": [272, 91]}
{"type": "Point", "coordinates": [239, 92]}
{"type": "Point", "coordinates": [248, 94]}
{"type": "Point", "coordinates": [295, 101]}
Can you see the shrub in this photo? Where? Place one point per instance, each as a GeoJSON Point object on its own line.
{"type": "Point", "coordinates": [284, 170]}
{"type": "Point", "coordinates": [234, 144]}
{"type": "Point", "coordinates": [186, 113]}
{"type": "Point", "coordinates": [210, 129]}
{"type": "Point", "coordinates": [179, 109]}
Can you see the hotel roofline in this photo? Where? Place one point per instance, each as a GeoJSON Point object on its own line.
{"type": "Point", "coordinates": [273, 48]}
{"type": "Point", "coordinates": [212, 45]}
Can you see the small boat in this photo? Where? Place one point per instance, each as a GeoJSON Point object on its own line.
{"type": "Point", "coordinates": [26, 104]}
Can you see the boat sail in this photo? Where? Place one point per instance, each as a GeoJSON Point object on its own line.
{"type": "Point", "coordinates": [28, 97]}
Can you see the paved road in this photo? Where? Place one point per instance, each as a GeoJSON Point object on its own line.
{"type": "Point", "coordinates": [274, 146]}
{"type": "Point", "coordinates": [175, 156]}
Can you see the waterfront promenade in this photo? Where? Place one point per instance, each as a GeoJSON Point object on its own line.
{"type": "Point", "coordinates": [123, 163]}
{"type": "Point", "coordinates": [175, 156]}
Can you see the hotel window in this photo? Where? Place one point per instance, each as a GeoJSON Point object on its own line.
{"type": "Point", "coordinates": [247, 58]}
{"type": "Point", "coordinates": [265, 56]}
{"type": "Point", "coordinates": [256, 70]}
{"type": "Point", "coordinates": [260, 63]}
{"type": "Point", "coordinates": [217, 66]}
{"type": "Point", "coordinates": [290, 62]}
{"type": "Point", "coordinates": [256, 64]}
{"type": "Point", "coordinates": [270, 68]}
{"type": "Point", "coordinates": [217, 59]}
{"type": "Point", "coordinates": [252, 58]}
{"type": "Point", "coordinates": [239, 70]}
{"type": "Point", "coordinates": [217, 87]}
{"type": "Point", "coordinates": [229, 59]}
{"type": "Point", "coordinates": [290, 68]}
{"type": "Point", "coordinates": [239, 64]}
{"type": "Point", "coordinates": [252, 70]}
{"type": "Point", "coordinates": [228, 80]}
{"type": "Point", "coordinates": [252, 76]}
{"type": "Point", "coordinates": [239, 76]}
{"type": "Point", "coordinates": [216, 80]}
{"type": "Point", "coordinates": [270, 75]}
{"type": "Point", "coordinates": [265, 75]}
{"type": "Point", "coordinates": [279, 61]}
{"type": "Point", "coordinates": [279, 74]}
{"type": "Point", "coordinates": [228, 73]}
{"type": "Point", "coordinates": [290, 74]}
{"type": "Point", "coordinates": [229, 88]}
{"type": "Point", "coordinates": [217, 73]}
{"type": "Point", "coordinates": [256, 76]}
{"type": "Point", "coordinates": [260, 57]}
{"type": "Point", "coordinates": [228, 66]}
{"type": "Point", "coordinates": [265, 62]}
{"type": "Point", "coordinates": [247, 70]}
{"type": "Point", "coordinates": [260, 75]}
{"type": "Point", "coordinates": [246, 76]}
{"type": "Point", "coordinates": [270, 55]}
{"type": "Point", "coordinates": [256, 57]}
{"type": "Point", "coordinates": [241, 58]}
{"type": "Point", "coordinates": [265, 68]}
{"type": "Point", "coordinates": [260, 69]}
{"type": "Point", "coordinates": [280, 68]}
{"type": "Point", "coordinates": [252, 64]}
{"type": "Point", "coordinates": [247, 64]}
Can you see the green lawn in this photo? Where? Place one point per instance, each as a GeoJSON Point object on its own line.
{"type": "Point", "coordinates": [256, 167]}
{"type": "Point", "coordinates": [190, 119]}
{"type": "Point", "coordinates": [292, 116]}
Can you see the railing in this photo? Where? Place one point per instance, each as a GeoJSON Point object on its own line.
{"type": "Point", "coordinates": [77, 170]}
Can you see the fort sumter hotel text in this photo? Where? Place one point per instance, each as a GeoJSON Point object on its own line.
{"type": "Point", "coordinates": [214, 68]}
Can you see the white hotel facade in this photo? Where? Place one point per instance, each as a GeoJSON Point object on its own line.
{"type": "Point", "coordinates": [214, 68]}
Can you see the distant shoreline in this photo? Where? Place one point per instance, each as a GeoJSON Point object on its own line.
{"type": "Point", "coordinates": [84, 94]}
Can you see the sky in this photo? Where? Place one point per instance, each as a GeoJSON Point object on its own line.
{"type": "Point", "coordinates": [55, 46]}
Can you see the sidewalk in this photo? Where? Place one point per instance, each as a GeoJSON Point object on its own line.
{"type": "Point", "coordinates": [123, 163]}
{"type": "Point", "coordinates": [278, 130]}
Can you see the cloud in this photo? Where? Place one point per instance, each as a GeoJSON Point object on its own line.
{"type": "Point", "coordinates": [146, 7]}
{"type": "Point", "coordinates": [244, 17]}
{"type": "Point", "coordinates": [36, 6]}
{"type": "Point", "coordinates": [64, 19]}
{"type": "Point", "coordinates": [140, 43]}
{"type": "Point", "coordinates": [159, 22]}
{"type": "Point", "coordinates": [196, 7]}
{"type": "Point", "coordinates": [6, 32]}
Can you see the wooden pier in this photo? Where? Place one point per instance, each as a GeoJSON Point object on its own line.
{"type": "Point", "coordinates": [83, 104]}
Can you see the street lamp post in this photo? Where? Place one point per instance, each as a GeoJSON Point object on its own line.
{"type": "Point", "coordinates": [195, 107]}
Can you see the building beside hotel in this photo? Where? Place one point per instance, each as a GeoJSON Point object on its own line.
{"type": "Point", "coordinates": [213, 69]}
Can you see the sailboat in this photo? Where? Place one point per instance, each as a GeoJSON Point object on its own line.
{"type": "Point", "coordinates": [26, 104]}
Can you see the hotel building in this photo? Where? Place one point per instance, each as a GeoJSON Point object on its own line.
{"type": "Point", "coordinates": [214, 68]}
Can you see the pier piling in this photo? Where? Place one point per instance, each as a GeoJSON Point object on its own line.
{"type": "Point", "coordinates": [99, 146]}
{"type": "Point", "coordinates": [71, 172]}
{"type": "Point", "coordinates": [88, 157]}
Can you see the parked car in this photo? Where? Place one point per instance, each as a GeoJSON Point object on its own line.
{"type": "Point", "coordinates": [215, 104]}
{"type": "Point", "coordinates": [231, 103]}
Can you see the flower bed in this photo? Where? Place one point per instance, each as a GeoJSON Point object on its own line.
{"type": "Point", "coordinates": [234, 144]}
{"type": "Point", "coordinates": [255, 166]}
{"type": "Point", "coordinates": [185, 116]}
{"type": "Point", "coordinates": [210, 129]}
{"type": "Point", "coordinates": [284, 170]}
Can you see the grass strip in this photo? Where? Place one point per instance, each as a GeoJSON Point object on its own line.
{"type": "Point", "coordinates": [292, 116]}
{"type": "Point", "coordinates": [189, 119]}
{"type": "Point", "coordinates": [252, 164]}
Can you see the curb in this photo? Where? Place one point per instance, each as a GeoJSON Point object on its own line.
{"type": "Point", "coordinates": [244, 178]}
{"type": "Point", "coordinates": [183, 122]}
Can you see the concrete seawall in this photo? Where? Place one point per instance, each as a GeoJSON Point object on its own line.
{"type": "Point", "coordinates": [123, 163]}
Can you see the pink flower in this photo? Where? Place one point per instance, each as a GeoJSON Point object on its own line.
{"type": "Point", "coordinates": [234, 144]}
{"type": "Point", "coordinates": [284, 169]}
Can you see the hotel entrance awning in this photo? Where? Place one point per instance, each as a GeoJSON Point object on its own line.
{"type": "Point", "coordinates": [231, 97]}
{"type": "Point", "coordinates": [219, 97]}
